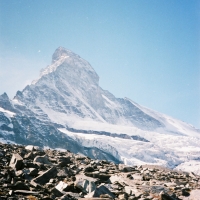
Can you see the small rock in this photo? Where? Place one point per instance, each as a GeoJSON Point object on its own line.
{"type": "Point", "coordinates": [29, 147]}
{"type": "Point", "coordinates": [26, 192]}
{"type": "Point", "coordinates": [165, 196]}
{"type": "Point", "coordinates": [56, 192]}
{"type": "Point", "coordinates": [194, 195]}
{"type": "Point", "coordinates": [99, 191]}
{"type": "Point", "coordinates": [16, 161]}
{"type": "Point", "coordinates": [89, 169]}
{"type": "Point", "coordinates": [123, 196]}
{"type": "Point", "coordinates": [61, 186]}
{"type": "Point", "coordinates": [65, 172]}
{"type": "Point", "coordinates": [63, 161]}
{"type": "Point", "coordinates": [42, 159]}
{"type": "Point", "coordinates": [33, 172]}
{"type": "Point", "coordinates": [89, 186]}
{"type": "Point", "coordinates": [46, 176]}
{"type": "Point", "coordinates": [20, 186]}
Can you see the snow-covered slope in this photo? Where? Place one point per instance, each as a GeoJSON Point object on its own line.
{"type": "Point", "coordinates": [67, 95]}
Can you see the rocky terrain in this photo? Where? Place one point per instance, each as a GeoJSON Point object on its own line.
{"type": "Point", "coordinates": [29, 172]}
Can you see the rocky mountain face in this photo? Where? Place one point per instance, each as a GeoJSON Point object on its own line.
{"type": "Point", "coordinates": [27, 172]}
{"type": "Point", "coordinates": [66, 108]}
{"type": "Point", "coordinates": [70, 87]}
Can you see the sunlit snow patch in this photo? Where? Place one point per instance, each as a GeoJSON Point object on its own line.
{"type": "Point", "coordinates": [7, 113]}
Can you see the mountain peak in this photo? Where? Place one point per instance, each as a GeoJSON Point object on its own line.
{"type": "Point", "coordinates": [4, 96]}
{"type": "Point", "coordinates": [5, 102]}
{"type": "Point", "coordinates": [61, 52]}
{"type": "Point", "coordinates": [72, 64]}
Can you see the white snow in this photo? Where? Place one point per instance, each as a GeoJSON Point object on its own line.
{"type": "Point", "coordinates": [51, 68]}
{"type": "Point", "coordinates": [190, 166]}
{"type": "Point", "coordinates": [10, 125]}
{"type": "Point", "coordinates": [7, 113]}
{"type": "Point", "coordinates": [15, 101]}
{"type": "Point", "coordinates": [170, 123]}
{"type": "Point", "coordinates": [4, 141]}
{"type": "Point", "coordinates": [7, 132]}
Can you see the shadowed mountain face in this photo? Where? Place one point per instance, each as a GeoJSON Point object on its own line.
{"type": "Point", "coordinates": [66, 108]}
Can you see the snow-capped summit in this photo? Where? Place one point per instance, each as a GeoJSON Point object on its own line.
{"type": "Point", "coordinates": [68, 97]}
{"type": "Point", "coordinates": [62, 52]}
{"type": "Point", "coordinates": [65, 62]}
{"type": "Point", "coordinates": [68, 92]}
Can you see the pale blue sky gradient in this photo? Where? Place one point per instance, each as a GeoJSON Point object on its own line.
{"type": "Point", "coordinates": [147, 50]}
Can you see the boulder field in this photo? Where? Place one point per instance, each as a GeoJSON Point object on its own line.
{"type": "Point", "coordinates": [29, 172]}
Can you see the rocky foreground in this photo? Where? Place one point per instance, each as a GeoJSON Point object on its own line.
{"type": "Point", "coordinates": [32, 173]}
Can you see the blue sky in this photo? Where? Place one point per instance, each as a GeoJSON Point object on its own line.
{"type": "Point", "coordinates": [147, 50]}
